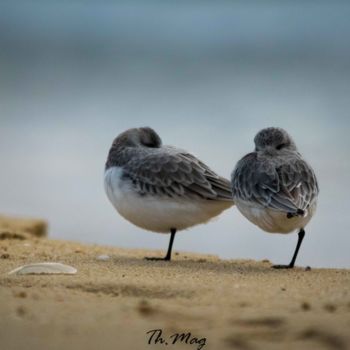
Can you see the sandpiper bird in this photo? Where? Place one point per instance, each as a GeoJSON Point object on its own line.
{"type": "Point", "coordinates": [274, 187]}
{"type": "Point", "coordinates": [162, 188]}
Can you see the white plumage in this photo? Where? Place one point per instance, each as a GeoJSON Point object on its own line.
{"type": "Point", "coordinates": [273, 221]}
{"type": "Point", "coordinates": [161, 188]}
{"type": "Point", "coordinates": [274, 187]}
{"type": "Point", "coordinates": [155, 213]}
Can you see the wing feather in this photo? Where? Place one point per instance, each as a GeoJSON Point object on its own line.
{"type": "Point", "coordinates": [174, 173]}
{"type": "Point", "coordinates": [283, 186]}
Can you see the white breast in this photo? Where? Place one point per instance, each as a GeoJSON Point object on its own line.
{"type": "Point", "coordinates": [158, 213]}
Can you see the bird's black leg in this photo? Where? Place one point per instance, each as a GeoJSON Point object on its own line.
{"type": "Point", "coordinates": [168, 254]}
{"type": "Point", "coordinates": [301, 235]}
{"type": "Point", "coordinates": [170, 247]}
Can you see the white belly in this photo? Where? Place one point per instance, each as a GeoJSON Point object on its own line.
{"type": "Point", "coordinates": [274, 221]}
{"type": "Point", "coordinates": [155, 213]}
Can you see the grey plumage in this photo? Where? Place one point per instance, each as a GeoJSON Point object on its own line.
{"type": "Point", "coordinates": [162, 188]}
{"type": "Point", "coordinates": [274, 178]}
{"type": "Point", "coordinates": [157, 170]}
{"type": "Point", "coordinates": [274, 187]}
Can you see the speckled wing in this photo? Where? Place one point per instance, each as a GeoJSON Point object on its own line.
{"type": "Point", "coordinates": [174, 173]}
{"type": "Point", "coordinates": [286, 186]}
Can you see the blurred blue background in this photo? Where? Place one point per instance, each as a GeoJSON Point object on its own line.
{"type": "Point", "coordinates": [206, 76]}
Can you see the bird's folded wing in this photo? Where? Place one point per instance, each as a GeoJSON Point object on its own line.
{"type": "Point", "coordinates": [288, 187]}
{"type": "Point", "coordinates": [176, 174]}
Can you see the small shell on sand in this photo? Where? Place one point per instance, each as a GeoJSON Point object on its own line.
{"type": "Point", "coordinates": [103, 257]}
{"type": "Point", "coordinates": [45, 268]}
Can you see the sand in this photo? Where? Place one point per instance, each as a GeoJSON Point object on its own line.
{"type": "Point", "coordinates": [21, 228]}
{"type": "Point", "coordinates": [113, 303]}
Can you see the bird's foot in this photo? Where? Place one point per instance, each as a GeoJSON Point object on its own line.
{"type": "Point", "coordinates": [280, 267]}
{"type": "Point", "coordinates": [153, 258]}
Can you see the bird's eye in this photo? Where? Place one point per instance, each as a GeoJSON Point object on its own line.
{"type": "Point", "coordinates": [280, 146]}
{"type": "Point", "coordinates": [149, 144]}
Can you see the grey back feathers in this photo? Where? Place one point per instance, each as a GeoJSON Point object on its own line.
{"type": "Point", "coordinates": [275, 175]}
{"type": "Point", "coordinates": [154, 169]}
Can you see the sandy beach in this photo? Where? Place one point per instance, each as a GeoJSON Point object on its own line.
{"type": "Point", "coordinates": [113, 303]}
